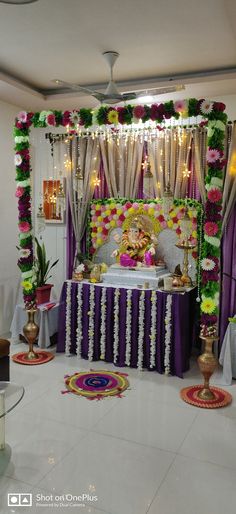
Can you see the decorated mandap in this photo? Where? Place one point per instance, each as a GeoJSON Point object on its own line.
{"type": "Point", "coordinates": [146, 190]}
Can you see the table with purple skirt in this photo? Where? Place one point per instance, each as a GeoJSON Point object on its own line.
{"type": "Point", "coordinates": [144, 329]}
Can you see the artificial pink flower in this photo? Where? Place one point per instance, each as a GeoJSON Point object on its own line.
{"type": "Point", "coordinates": [135, 205]}
{"type": "Point", "coordinates": [138, 111]}
{"type": "Point", "coordinates": [51, 120]}
{"type": "Point", "coordinates": [212, 155]}
{"type": "Point", "coordinates": [214, 195]}
{"type": "Point", "coordinates": [17, 159]}
{"type": "Point", "coordinates": [19, 192]}
{"type": "Point", "coordinates": [180, 106]}
{"type": "Point", "coordinates": [24, 226]}
{"type": "Point", "coordinates": [211, 228]}
{"type": "Point", "coordinates": [22, 116]}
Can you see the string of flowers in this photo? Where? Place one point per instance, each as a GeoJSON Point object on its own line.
{"type": "Point", "coordinates": [210, 258]}
{"type": "Point", "coordinates": [79, 329]}
{"type": "Point", "coordinates": [68, 317]}
{"type": "Point", "coordinates": [141, 330]}
{"type": "Point", "coordinates": [103, 324]}
{"type": "Point", "coordinates": [128, 327]}
{"type": "Point", "coordinates": [168, 324]}
{"type": "Point", "coordinates": [153, 333]}
{"type": "Point", "coordinates": [116, 324]}
{"type": "Point", "coordinates": [91, 321]}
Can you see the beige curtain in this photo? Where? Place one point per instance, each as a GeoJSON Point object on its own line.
{"type": "Point", "coordinates": [169, 154]}
{"type": "Point", "coordinates": [122, 160]}
{"type": "Point", "coordinates": [90, 164]}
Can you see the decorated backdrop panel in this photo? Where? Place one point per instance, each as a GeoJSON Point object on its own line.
{"type": "Point", "coordinates": [117, 118]}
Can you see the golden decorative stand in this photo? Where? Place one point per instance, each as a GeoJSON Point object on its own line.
{"type": "Point", "coordinates": [30, 331]}
{"type": "Point", "coordinates": [187, 247]}
{"type": "Point", "coordinates": [207, 364]}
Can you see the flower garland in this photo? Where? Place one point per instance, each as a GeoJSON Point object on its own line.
{"type": "Point", "coordinates": [141, 329]}
{"type": "Point", "coordinates": [210, 257]}
{"type": "Point", "coordinates": [79, 329]}
{"type": "Point", "coordinates": [103, 324]}
{"type": "Point", "coordinates": [168, 324]}
{"type": "Point", "coordinates": [128, 327]}
{"type": "Point", "coordinates": [76, 120]}
{"type": "Point", "coordinates": [91, 321]}
{"type": "Point", "coordinates": [153, 333]}
{"type": "Point", "coordinates": [107, 214]}
{"type": "Point", "coordinates": [116, 325]}
{"type": "Point", "coordinates": [68, 317]}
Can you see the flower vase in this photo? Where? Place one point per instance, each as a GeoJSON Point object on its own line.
{"type": "Point", "coordinates": [30, 331]}
{"type": "Point", "coordinates": [207, 364]}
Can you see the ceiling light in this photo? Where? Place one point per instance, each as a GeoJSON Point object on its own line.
{"type": "Point", "coordinates": [145, 99]}
{"type": "Point", "coordinates": [17, 2]}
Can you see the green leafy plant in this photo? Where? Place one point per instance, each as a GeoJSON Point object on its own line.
{"type": "Point", "coordinates": [42, 265]}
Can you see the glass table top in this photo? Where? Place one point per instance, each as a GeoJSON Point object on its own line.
{"type": "Point", "coordinates": [10, 395]}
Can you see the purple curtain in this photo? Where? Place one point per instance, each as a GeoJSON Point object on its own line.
{"type": "Point", "coordinates": [228, 267]}
{"type": "Point", "coordinates": [70, 242]}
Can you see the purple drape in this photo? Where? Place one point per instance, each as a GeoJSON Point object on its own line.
{"type": "Point", "coordinates": [182, 332]}
{"type": "Point", "coordinates": [70, 242]}
{"type": "Point", "coordinates": [228, 267]}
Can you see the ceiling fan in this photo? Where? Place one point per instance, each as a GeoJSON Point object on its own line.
{"type": "Point", "coordinates": [112, 95]}
{"type": "Point", "coordinates": [17, 2]}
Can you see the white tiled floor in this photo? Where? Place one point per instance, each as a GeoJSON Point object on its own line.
{"type": "Point", "coordinates": [148, 452]}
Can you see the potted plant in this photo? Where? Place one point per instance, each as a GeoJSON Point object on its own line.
{"type": "Point", "coordinates": [42, 268]}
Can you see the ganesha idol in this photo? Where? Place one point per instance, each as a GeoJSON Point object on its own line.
{"type": "Point", "coordinates": [137, 246]}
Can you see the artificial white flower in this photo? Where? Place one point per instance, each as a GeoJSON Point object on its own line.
{"type": "Point", "coordinates": [23, 183]}
{"type": "Point", "coordinates": [17, 159]}
{"type": "Point", "coordinates": [24, 235]}
{"type": "Point", "coordinates": [91, 322]}
{"type": "Point", "coordinates": [141, 324]}
{"type": "Point", "coordinates": [207, 264]}
{"type": "Point", "coordinates": [79, 329]}
{"type": "Point", "coordinates": [103, 324]}
{"type": "Point", "coordinates": [74, 117]}
{"type": "Point", "coordinates": [168, 324]}
{"type": "Point", "coordinates": [80, 268]}
{"type": "Point", "coordinates": [206, 107]}
{"type": "Point", "coordinates": [128, 327]}
{"type": "Point", "coordinates": [24, 253]}
{"type": "Point", "coordinates": [68, 317]}
{"type": "Point", "coordinates": [116, 324]}
{"type": "Point", "coordinates": [153, 332]}
{"type": "Point", "coordinates": [215, 181]}
{"type": "Point", "coordinates": [43, 115]}
{"type": "Point", "coordinates": [21, 139]}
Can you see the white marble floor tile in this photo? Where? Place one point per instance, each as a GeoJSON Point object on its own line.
{"type": "Point", "coordinates": [212, 438]}
{"type": "Point", "coordinates": [143, 420]}
{"type": "Point", "coordinates": [45, 444]}
{"type": "Point", "coordinates": [69, 408]}
{"type": "Point", "coordinates": [194, 487]}
{"type": "Point", "coordinates": [13, 487]}
{"type": "Point", "coordinates": [124, 475]}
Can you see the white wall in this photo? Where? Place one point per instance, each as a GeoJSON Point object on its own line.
{"type": "Point", "coordinates": [54, 235]}
{"type": "Point", "coordinates": [9, 272]}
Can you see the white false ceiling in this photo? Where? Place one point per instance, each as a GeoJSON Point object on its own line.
{"type": "Point", "coordinates": [156, 39]}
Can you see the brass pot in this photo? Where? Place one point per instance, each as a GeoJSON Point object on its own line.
{"type": "Point", "coordinates": [207, 364]}
{"type": "Point", "coordinates": [30, 331]}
